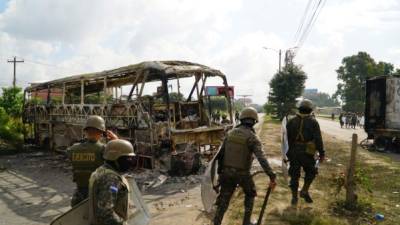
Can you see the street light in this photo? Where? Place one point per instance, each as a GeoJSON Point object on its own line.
{"type": "Point", "coordinates": [280, 53]}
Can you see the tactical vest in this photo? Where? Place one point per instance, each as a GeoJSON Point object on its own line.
{"type": "Point", "coordinates": [86, 158]}
{"type": "Point", "coordinates": [308, 146]}
{"type": "Point", "coordinates": [237, 154]}
{"type": "Point", "coordinates": [124, 202]}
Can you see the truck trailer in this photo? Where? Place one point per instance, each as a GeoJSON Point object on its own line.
{"type": "Point", "coordinates": [382, 112]}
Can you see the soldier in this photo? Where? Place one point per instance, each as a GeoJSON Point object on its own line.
{"type": "Point", "coordinates": [109, 201]}
{"type": "Point", "coordinates": [235, 160]}
{"type": "Point", "coordinates": [87, 156]}
{"type": "Point", "coordinates": [304, 138]}
{"type": "Point", "coordinates": [224, 120]}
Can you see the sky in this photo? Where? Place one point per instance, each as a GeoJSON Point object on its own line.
{"type": "Point", "coordinates": [68, 37]}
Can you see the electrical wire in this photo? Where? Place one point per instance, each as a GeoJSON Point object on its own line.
{"type": "Point", "coordinates": [320, 5]}
{"type": "Point", "coordinates": [305, 31]}
{"type": "Point", "coordinates": [303, 18]}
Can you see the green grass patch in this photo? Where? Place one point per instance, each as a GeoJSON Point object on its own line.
{"type": "Point", "coordinates": [268, 119]}
{"type": "Point", "coordinates": [306, 217]}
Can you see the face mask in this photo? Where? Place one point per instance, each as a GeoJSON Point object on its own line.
{"type": "Point", "coordinates": [125, 163]}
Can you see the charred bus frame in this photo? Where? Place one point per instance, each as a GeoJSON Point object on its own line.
{"type": "Point", "coordinates": [161, 129]}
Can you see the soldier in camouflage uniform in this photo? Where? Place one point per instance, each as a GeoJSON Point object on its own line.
{"type": "Point", "coordinates": [304, 138]}
{"type": "Point", "coordinates": [109, 191]}
{"type": "Point", "coordinates": [87, 156]}
{"type": "Point", "coordinates": [235, 160]}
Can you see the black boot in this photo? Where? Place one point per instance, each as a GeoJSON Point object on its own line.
{"type": "Point", "coordinates": [306, 196]}
{"type": "Point", "coordinates": [304, 192]}
{"type": "Point", "coordinates": [295, 197]}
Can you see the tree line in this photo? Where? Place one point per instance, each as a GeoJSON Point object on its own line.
{"type": "Point", "coordinates": [287, 85]}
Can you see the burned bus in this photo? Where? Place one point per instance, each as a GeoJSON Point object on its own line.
{"type": "Point", "coordinates": [144, 103]}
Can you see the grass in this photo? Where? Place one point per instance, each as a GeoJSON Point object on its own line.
{"type": "Point", "coordinates": [378, 187]}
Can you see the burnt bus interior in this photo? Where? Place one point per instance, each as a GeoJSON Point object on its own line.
{"type": "Point", "coordinates": [170, 130]}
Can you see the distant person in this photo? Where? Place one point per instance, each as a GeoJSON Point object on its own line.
{"type": "Point", "coordinates": [341, 120]}
{"type": "Point", "coordinates": [218, 117]}
{"type": "Point", "coordinates": [237, 116]}
{"type": "Point", "coordinates": [87, 156]}
{"type": "Point", "coordinates": [354, 121]}
{"type": "Point", "coordinates": [362, 121]}
{"type": "Point", "coordinates": [333, 116]}
{"type": "Point", "coordinates": [224, 120]}
{"type": "Point", "coordinates": [305, 140]}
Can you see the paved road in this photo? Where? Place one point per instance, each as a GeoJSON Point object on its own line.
{"type": "Point", "coordinates": [345, 134]}
{"type": "Point", "coordinates": [333, 128]}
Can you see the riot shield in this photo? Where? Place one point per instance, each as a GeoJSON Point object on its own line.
{"type": "Point", "coordinates": [210, 179]}
{"type": "Point", "coordinates": [79, 215]}
{"type": "Point", "coordinates": [284, 148]}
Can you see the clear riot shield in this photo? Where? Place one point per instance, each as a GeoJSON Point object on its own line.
{"type": "Point", "coordinates": [284, 148]}
{"type": "Point", "coordinates": [79, 215]}
{"type": "Point", "coordinates": [210, 178]}
{"type": "Point", "coordinates": [140, 214]}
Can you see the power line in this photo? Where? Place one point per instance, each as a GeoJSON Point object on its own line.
{"type": "Point", "coordinates": [312, 21]}
{"type": "Point", "coordinates": [310, 24]}
{"type": "Point", "coordinates": [303, 18]}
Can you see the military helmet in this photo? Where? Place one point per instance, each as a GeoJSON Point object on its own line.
{"type": "Point", "coordinates": [305, 103]}
{"type": "Point", "coordinates": [117, 148]}
{"type": "Point", "coordinates": [249, 113]}
{"type": "Point", "coordinates": [96, 122]}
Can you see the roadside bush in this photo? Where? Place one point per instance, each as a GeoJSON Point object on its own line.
{"type": "Point", "coordinates": [11, 101]}
{"type": "Point", "coordinates": [11, 129]}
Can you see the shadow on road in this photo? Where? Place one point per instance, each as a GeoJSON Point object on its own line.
{"type": "Point", "coordinates": [35, 187]}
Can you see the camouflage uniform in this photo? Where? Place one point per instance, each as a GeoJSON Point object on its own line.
{"type": "Point", "coordinates": [108, 197]}
{"type": "Point", "coordinates": [235, 160]}
{"type": "Point", "coordinates": [85, 158]}
{"type": "Point", "coordinates": [304, 138]}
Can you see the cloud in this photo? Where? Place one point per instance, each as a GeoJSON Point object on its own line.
{"type": "Point", "coordinates": [66, 37]}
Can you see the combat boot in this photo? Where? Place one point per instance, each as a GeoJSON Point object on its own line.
{"type": "Point", "coordinates": [295, 197]}
{"type": "Point", "coordinates": [306, 196]}
{"type": "Point", "coordinates": [304, 192]}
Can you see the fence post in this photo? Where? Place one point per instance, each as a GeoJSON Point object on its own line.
{"type": "Point", "coordinates": [351, 196]}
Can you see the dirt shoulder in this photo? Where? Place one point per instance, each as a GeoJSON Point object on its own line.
{"type": "Point", "coordinates": [378, 188]}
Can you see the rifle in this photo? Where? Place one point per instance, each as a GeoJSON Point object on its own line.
{"type": "Point", "coordinates": [269, 190]}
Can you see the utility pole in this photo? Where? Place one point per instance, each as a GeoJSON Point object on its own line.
{"type": "Point", "coordinates": [15, 61]}
{"type": "Point", "coordinates": [280, 56]}
{"type": "Point", "coordinates": [244, 99]}
{"type": "Point", "coordinates": [289, 55]}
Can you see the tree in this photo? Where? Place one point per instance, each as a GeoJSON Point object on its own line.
{"type": "Point", "coordinates": [352, 75]}
{"type": "Point", "coordinates": [322, 99]}
{"type": "Point", "coordinates": [268, 108]}
{"type": "Point", "coordinates": [285, 87]}
{"type": "Point", "coordinates": [176, 97]}
{"type": "Point", "coordinates": [11, 127]}
{"type": "Point", "coordinates": [12, 101]}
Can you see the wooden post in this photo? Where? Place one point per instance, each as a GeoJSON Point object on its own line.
{"type": "Point", "coordinates": [105, 91]}
{"type": "Point", "coordinates": [351, 196]}
{"type": "Point", "coordinates": [82, 92]}
{"type": "Point", "coordinates": [63, 94]}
